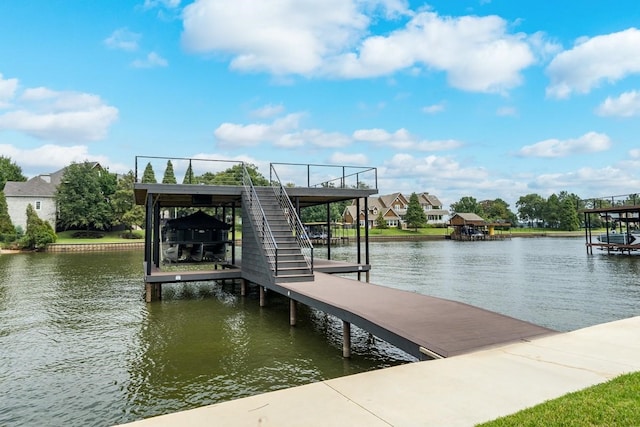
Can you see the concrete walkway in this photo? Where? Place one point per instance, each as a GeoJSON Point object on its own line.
{"type": "Point", "coordinates": [457, 391]}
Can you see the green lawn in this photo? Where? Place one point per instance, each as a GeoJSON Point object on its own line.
{"type": "Point", "coordinates": [613, 404]}
{"type": "Point", "coordinates": [66, 237]}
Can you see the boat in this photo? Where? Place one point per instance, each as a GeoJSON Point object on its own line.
{"type": "Point", "coordinates": [630, 238]}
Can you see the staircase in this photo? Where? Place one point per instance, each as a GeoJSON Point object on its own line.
{"type": "Point", "coordinates": [290, 262]}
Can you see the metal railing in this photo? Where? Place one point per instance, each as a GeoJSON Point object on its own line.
{"type": "Point", "coordinates": [297, 228]}
{"type": "Point", "coordinates": [256, 213]}
{"type": "Point", "coordinates": [333, 176]}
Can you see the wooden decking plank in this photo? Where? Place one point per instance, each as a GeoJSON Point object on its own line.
{"type": "Point", "coordinates": [443, 326]}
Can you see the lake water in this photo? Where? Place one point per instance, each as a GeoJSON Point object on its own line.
{"type": "Point", "coordinates": [80, 347]}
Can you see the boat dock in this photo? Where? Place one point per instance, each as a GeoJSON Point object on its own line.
{"type": "Point", "coordinates": [622, 224]}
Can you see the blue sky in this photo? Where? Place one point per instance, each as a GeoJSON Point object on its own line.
{"type": "Point", "coordinates": [476, 98]}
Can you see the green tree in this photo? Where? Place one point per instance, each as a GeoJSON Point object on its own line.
{"type": "Point", "coordinates": [467, 204]}
{"type": "Point", "coordinates": [498, 210]}
{"type": "Point", "coordinates": [169, 176]}
{"type": "Point", "coordinates": [39, 233]}
{"type": "Point", "coordinates": [415, 216]}
{"type": "Point", "coordinates": [233, 176]}
{"type": "Point", "coordinates": [189, 178]}
{"type": "Point", "coordinates": [125, 211]}
{"type": "Point", "coordinates": [149, 176]}
{"type": "Point", "coordinates": [381, 223]}
{"type": "Point", "coordinates": [80, 198]}
{"type": "Point", "coordinates": [318, 213]}
{"type": "Point", "coordinates": [552, 211]}
{"type": "Point", "coordinates": [531, 208]}
{"type": "Point", "coordinates": [6, 226]}
{"type": "Point", "coordinates": [569, 220]}
{"type": "Point", "coordinates": [9, 171]}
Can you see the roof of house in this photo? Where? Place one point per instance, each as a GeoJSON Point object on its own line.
{"type": "Point", "coordinates": [433, 200]}
{"type": "Point", "coordinates": [468, 217]}
{"type": "Point", "coordinates": [44, 185]}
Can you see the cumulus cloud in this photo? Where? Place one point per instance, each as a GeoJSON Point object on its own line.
{"type": "Point", "coordinates": [551, 148]}
{"type": "Point", "coordinates": [8, 88]}
{"type": "Point", "coordinates": [268, 111]}
{"type": "Point", "coordinates": [123, 39]}
{"type": "Point", "coordinates": [63, 116]}
{"type": "Point", "coordinates": [403, 140]}
{"type": "Point", "coordinates": [231, 134]}
{"type": "Point", "coordinates": [355, 159]}
{"type": "Point", "coordinates": [331, 39]}
{"type": "Point", "coordinates": [51, 157]}
{"type": "Point", "coordinates": [152, 60]}
{"type": "Point", "coordinates": [280, 37]}
{"type": "Point", "coordinates": [625, 105]}
{"type": "Point", "coordinates": [608, 58]}
{"type": "Point", "coordinates": [591, 182]}
{"type": "Point", "coordinates": [433, 109]}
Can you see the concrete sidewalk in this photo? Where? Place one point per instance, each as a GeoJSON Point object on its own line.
{"type": "Point", "coordinates": [458, 391]}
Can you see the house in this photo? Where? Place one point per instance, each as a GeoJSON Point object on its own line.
{"type": "Point", "coordinates": [40, 192]}
{"type": "Point", "coordinates": [394, 207]}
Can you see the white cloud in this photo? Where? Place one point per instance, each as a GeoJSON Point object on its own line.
{"type": "Point", "coordinates": [331, 39]}
{"type": "Point", "coordinates": [433, 109]}
{"type": "Point", "coordinates": [589, 182]}
{"type": "Point", "coordinates": [62, 116]}
{"type": "Point", "coordinates": [603, 58]}
{"type": "Point", "coordinates": [626, 105]}
{"type": "Point", "coordinates": [634, 153]}
{"type": "Point", "coordinates": [8, 88]}
{"type": "Point", "coordinates": [403, 140]}
{"type": "Point", "coordinates": [123, 39]}
{"type": "Point", "coordinates": [280, 37]}
{"type": "Point", "coordinates": [507, 111]}
{"type": "Point", "coordinates": [231, 134]}
{"type": "Point", "coordinates": [355, 159]}
{"type": "Point", "coordinates": [152, 60]}
{"type": "Point", "coordinates": [588, 143]}
{"type": "Point", "coordinates": [268, 111]}
{"type": "Point", "coordinates": [50, 158]}
{"type": "Point", "coordinates": [169, 4]}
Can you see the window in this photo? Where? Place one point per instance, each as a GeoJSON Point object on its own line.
{"type": "Point", "coordinates": [38, 205]}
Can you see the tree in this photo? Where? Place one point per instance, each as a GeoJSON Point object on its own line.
{"type": "Point", "coordinates": [6, 227]}
{"type": "Point", "coordinates": [189, 178]}
{"type": "Point", "coordinates": [233, 176]}
{"type": "Point", "coordinates": [9, 171]}
{"type": "Point", "coordinates": [125, 211]}
{"type": "Point", "coordinates": [80, 198]}
{"type": "Point", "coordinates": [39, 233]}
{"type": "Point", "coordinates": [569, 220]}
{"type": "Point", "coordinates": [415, 216]}
{"type": "Point", "coordinates": [169, 176]}
{"type": "Point", "coordinates": [551, 212]}
{"type": "Point", "coordinates": [381, 223]}
{"type": "Point", "coordinates": [498, 210]}
{"type": "Point", "coordinates": [531, 208]}
{"type": "Point", "coordinates": [149, 176]}
{"type": "Point", "coordinates": [467, 204]}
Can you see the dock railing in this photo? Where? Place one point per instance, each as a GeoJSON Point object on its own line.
{"type": "Point", "coordinates": [297, 228]}
{"type": "Point", "coordinates": [263, 231]}
{"type": "Point", "coordinates": [334, 176]}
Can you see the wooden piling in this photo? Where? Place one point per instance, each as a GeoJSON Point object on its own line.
{"type": "Point", "coordinates": [243, 287]}
{"type": "Point", "coordinates": [346, 339]}
{"type": "Point", "coordinates": [292, 312]}
{"type": "Point", "coordinates": [262, 296]}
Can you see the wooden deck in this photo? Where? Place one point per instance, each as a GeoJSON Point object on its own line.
{"type": "Point", "coordinates": [421, 325]}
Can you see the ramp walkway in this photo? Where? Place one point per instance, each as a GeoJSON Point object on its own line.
{"type": "Point", "coordinates": [457, 391]}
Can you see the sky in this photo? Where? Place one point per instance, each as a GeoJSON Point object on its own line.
{"type": "Point", "coordinates": [481, 98]}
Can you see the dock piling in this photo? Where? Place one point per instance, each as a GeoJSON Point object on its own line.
{"type": "Point", "coordinates": [346, 339]}
{"type": "Point", "coordinates": [262, 296]}
{"type": "Point", "coordinates": [292, 312]}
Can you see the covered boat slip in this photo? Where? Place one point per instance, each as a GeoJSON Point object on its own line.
{"type": "Point", "coordinates": [622, 225]}
{"type": "Point", "coordinates": [423, 326]}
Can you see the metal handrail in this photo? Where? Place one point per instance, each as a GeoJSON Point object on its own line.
{"type": "Point", "coordinates": [255, 211]}
{"type": "Point", "coordinates": [297, 228]}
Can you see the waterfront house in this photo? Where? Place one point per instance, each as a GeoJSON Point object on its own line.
{"type": "Point", "coordinates": [394, 207]}
{"type": "Point", "coordinates": [40, 192]}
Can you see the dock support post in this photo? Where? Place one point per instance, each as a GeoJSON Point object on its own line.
{"type": "Point", "coordinates": [243, 287]}
{"type": "Point", "coordinates": [346, 339]}
{"type": "Point", "coordinates": [153, 292]}
{"type": "Point", "coordinates": [262, 296]}
{"type": "Point", "coordinates": [292, 312]}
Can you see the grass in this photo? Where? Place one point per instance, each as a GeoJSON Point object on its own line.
{"type": "Point", "coordinates": [612, 404]}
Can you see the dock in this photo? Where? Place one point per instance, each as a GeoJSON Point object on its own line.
{"type": "Point", "coordinates": [622, 225]}
{"type": "Point", "coordinates": [278, 256]}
